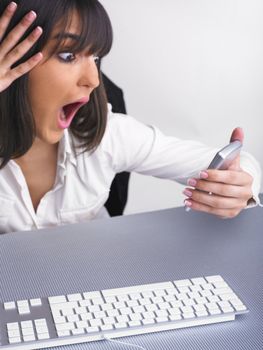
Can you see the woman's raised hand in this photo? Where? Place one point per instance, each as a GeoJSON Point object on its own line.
{"type": "Point", "coordinates": [11, 51]}
{"type": "Point", "coordinates": [221, 192]}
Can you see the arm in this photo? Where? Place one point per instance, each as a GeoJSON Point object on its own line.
{"type": "Point", "coordinates": [137, 147]}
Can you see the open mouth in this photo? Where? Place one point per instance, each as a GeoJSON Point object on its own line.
{"type": "Point", "coordinates": [68, 112]}
{"type": "Point", "coordinates": [70, 109]}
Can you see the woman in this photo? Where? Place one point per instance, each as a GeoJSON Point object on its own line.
{"type": "Point", "coordinates": [60, 144]}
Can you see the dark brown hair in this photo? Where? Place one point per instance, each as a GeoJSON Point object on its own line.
{"type": "Point", "coordinates": [17, 127]}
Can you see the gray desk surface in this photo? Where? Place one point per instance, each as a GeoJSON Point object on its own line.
{"type": "Point", "coordinates": [145, 248]}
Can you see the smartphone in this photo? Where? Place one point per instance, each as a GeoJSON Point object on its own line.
{"type": "Point", "coordinates": [225, 156]}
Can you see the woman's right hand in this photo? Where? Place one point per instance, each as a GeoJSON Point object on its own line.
{"type": "Point", "coordinates": [11, 52]}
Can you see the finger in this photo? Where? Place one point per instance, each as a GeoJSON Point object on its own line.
{"type": "Point", "coordinates": [225, 190]}
{"type": "Point", "coordinates": [237, 135]}
{"type": "Point", "coordinates": [15, 35]}
{"type": "Point", "coordinates": [25, 67]}
{"type": "Point", "coordinates": [235, 164]}
{"type": "Point", "coordinates": [223, 213]}
{"type": "Point", "coordinates": [6, 18]}
{"type": "Point", "coordinates": [21, 49]}
{"type": "Point", "coordinates": [217, 201]}
{"type": "Point", "coordinates": [232, 177]}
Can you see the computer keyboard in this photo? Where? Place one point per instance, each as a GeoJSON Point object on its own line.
{"type": "Point", "coordinates": [95, 315]}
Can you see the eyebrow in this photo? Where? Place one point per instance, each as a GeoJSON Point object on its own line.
{"type": "Point", "coordinates": [67, 36]}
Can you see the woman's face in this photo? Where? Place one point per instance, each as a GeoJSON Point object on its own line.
{"type": "Point", "coordinates": [60, 85]}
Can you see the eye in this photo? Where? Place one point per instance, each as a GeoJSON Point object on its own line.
{"type": "Point", "coordinates": [67, 56]}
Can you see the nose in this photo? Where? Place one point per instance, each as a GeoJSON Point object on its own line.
{"type": "Point", "coordinates": [89, 76]}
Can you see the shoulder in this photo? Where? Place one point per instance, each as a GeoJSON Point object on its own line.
{"type": "Point", "coordinates": [126, 125]}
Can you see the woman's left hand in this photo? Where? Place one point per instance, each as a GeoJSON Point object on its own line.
{"type": "Point", "coordinates": [221, 192]}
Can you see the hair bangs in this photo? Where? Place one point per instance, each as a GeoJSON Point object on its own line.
{"type": "Point", "coordinates": [95, 33]}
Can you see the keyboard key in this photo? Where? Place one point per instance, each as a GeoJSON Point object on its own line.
{"type": "Point", "coordinates": [188, 316]}
{"type": "Point", "coordinates": [41, 329]}
{"type": "Point", "coordinates": [12, 326]}
{"type": "Point", "coordinates": [63, 333]}
{"type": "Point", "coordinates": [106, 327]}
{"type": "Point", "coordinates": [95, 323]}
{"type": "Point", "coordinates": [57, 299]}
{"type": "Point", "coordinates": [30, 337]}
{"type": "Point", "coordinates": [183, 283]}
{"type": "Point", "coordinates": [175, 317]}
{"type": "Point", "coordinates": [134, 323]}
{"type": "Point", "coordinates": [10, 305]}
{"type": "Point", "coordinates": [108, 320]}
{"type": "Point", "coordinates": [68, 326]}
{"type": "Point", "coordinates": [92, 329]}
{"type": "Point", "coordinates": [213, 279]}
{"type": "Point", "coordinates": [15, 340]}
{"type": "Point", "coordinates": [161, 319]}
{"type": "Point", "coordinates": [23, 310]}
{"type": "Point", "coordinates": [215, 311]}
{"type": "Point", "coordinates": [198, 281]}
{"type": "Point", "coordinates": [22, 303]}
{"type": "Point", "coordinates": [27, 324]}
{"type": "Point", "coordinates": [13, 333]}
{"type": "Point", "coordinates": [35, 302]}
{"type": "Point", "coordinates": [27, 331]}
{"type": "Point", "coordinates": [74, 297]}
{"type": "Point", "coordinates": [43, 336]}
{"type": "Point", "coordinates": [201, 313]}
{"type": "Point", "coordinates": [136, 317]}
{"type": "Point", "coordinates": [148, 321]}
{"type": "Point", "coordinates": [91, 295]}
{"type": "Point", "coordinates": [78, 331]}
{"type": "Point", "coordinates": [73, 318]}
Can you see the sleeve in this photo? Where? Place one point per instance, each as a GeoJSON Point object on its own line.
{"type": "Point", "coordinates": [133, 146]}
{"type": "Point", "coordinates": [249, 164]}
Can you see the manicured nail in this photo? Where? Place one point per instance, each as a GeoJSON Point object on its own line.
{"type": "Point", "coordinates": [187, 203]}
{"type": "Point", "coordinates": [12, 6]}
{"type": "Point", "coordinates": [187, 193]}
{"type": "Point", "coordinates": [203, 175]}
{"type": "Point", "coordinates": [191, 182]}
{"type": "Point", "coordinates": [38, 56]}
{"type": "Point", "coordinates": [31, 15]}
{"type": "Point", "coordinates": [38, 31]}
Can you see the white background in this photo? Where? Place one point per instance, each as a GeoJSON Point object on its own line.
{"type": "Point", "coordinates": [194, 69]}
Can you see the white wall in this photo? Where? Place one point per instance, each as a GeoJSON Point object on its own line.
{"type": "Point", "coordinates": [194, 68]}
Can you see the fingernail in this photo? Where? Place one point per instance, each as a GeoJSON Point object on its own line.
{"type": "Point", "coordinates": [38, 56]}
{"type": "Point", "coordinates": [37, 31]}
{"type": "Point", "coordinates": [12, 6]}
{"type": "Point", "coordinates": [203, 175]}
{"type": "Point", "coordinates": [187, 203]}
{"type": "Point", "coordinates": [191, 182]}
{"type": "Point", "coordinates": [187, 193]}
{"type": "Point", "coordinates": [31, 15]}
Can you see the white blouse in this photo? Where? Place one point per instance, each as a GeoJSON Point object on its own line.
{"type": "Point", "coordinates": [83, 181]}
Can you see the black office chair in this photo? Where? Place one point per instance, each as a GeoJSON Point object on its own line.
{"type": "Point", "coordinates": [119, 188]}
